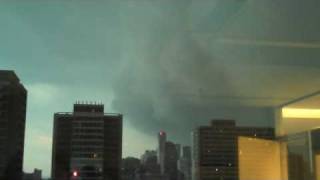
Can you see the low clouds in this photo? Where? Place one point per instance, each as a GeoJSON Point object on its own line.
{"type": "Point", "coordinates": [43, 93]}
{"type": "Point", "coordinates": [271, 43]}
{"type": "Point", "coordinates": [185, 72]}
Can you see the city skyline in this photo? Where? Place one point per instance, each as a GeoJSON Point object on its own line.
{"type": "Point", "coordinates": [163, 64]}
{"type": "Point", "coordinates": [87, 114]}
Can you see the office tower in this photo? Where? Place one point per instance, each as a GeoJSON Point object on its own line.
{"type": "Point", "coordinates": [162, 138]}
{"type": "Point", "coordinates": [178, 148]}
{"type": "Point", "coordinates": [150, 169]}
{"type": "Point", "coordinates": [184, 163]}
{"type": "Point", "coordinates": [215, 149]}
{"type": "Point", "coordinates": [149, 162]}
{"type": "Point", "coordinates": [170, 161]}
{"type": "Point", "coordinates": [87, 143]}
{"type": "Point", "coordinates": [148, 154]}
{"type": "Point", "coordinates": [13, 101]}
{"type": "Point", "coordinates": [129, 167]}
{"type": "Point", "coordinates": [186, 152]}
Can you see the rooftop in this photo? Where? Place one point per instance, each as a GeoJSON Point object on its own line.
{"type": "Point", "coordinates": [9, 75]}
{"type": "Point", "coordinates": [88, 107]}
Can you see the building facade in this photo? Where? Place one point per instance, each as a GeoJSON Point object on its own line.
{"type": "Point", "coordinates": [13, 102]}
{"type": "Point", "coordinates": [129, 167]}
{"type": "Point", "coordinates": [162, 139]}
{"type": "Point", "coordinates": [148, 154]}
{"type": "Point", "coordinates": [215, 149]}
{"type": "Point", "coordinates": [87, 144]}
{"type": "Point", "coordinates": [150, 169]}
{"type": "Point", "coordinates": [184, 163]}
{"type": "Point", "coordinates": [171, 161]}
{"type": "Point", "coordinates": [178, 149]}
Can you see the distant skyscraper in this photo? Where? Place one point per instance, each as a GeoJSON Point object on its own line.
{"type": "Point", "coordinates": [215, 149]}
{"type": "Point", "coordinates": [184, 163]}
{"type": "Point", "coordinates": [178, 148]}
{"type": "Point", "coordinates": [149, 162]}
{"type": "Point", "coordinates": [149, 154]}
{"type": "Point", "coordinates": [171, 161]}
{"type": "Point", "coordinates": [150, 169]}
{"type": "Point", "coordinates": [162, 138]}
{"type": "Point", "coordinates": [186, 152]}
{"type": "Point", "coordinates": [13, 102]}
{"type": "Point", "coordinates": [87, 143]}
{"type": "Point", "coordinates": [129, 167]}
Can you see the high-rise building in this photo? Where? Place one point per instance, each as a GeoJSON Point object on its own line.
{"type": "Point", "coordinates": [215, 149]}
{"type": "Point", "coordinates": [149, 154]}
{"type": "Point", "coordinates": [171, 160]}
{"type": "Point", "coordinates": [162, 138]}
{"type": "Point", "coordinates": [150, 169]}
{"type": "Point", "coordinates": [178, 148]}
{"type": "Point", "coordinates": [184, 163]}
{"type": "Point", "coordinates": [129, 167]}
{"type": "Point", "coordinates": [13, 102]}
{"type": "Point", "coordinates": [186, 152]}
{"type": "Point", "coordinates": [87, 143]}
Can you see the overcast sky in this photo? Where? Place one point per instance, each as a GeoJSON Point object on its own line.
{"type": "Point", "coordinates": [165, 64]}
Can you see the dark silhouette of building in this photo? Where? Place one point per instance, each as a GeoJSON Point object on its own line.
{"type": "Point", "coordinates": [147, 155]}
{"type": "Point", "coordinates": [186, 152]}
{"type": "Point", "coordinates": [150, 169]}
{"type": "Point", "coordinates": [184, 163]}
{"type": "Point", "coordinates": [149, 162]}
{"type": "Point", "coordinates": [13, 102]}
{"type": "Point", "coordinates": [178, 149]}
{"type": "Point", "coordinates": [87, 144]}
{"type": "Point", "coordinates": [162, 138]}
{"type": "Point", "coordinates": [215, 149]}
{"type": "Point", "coordinates": [171, 161]}
{"type": "Point", "coordinates": [129, 167]}
{"type": "Point", "coordinates": [167, 157]}
{"type": "Point", "coordinates": [36, 175]}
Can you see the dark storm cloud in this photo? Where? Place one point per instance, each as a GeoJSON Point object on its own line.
{"type": "Point", "coordinates": [177, 73]}
{"type": "Point", "coordinates": [164, 64]}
